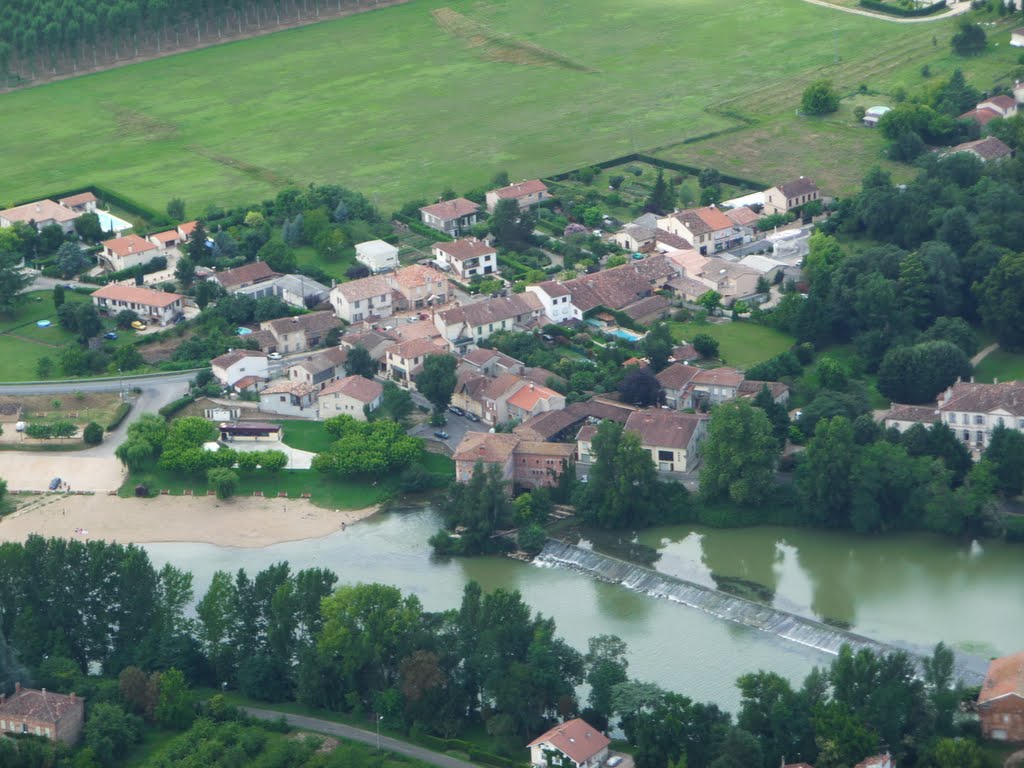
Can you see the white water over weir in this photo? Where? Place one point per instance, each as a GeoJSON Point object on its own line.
{"type": "Point", "coordinates": [783, 624]}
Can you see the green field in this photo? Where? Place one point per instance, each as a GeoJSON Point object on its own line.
{"type": "Point", "coordinates": [391, 104]}
{"type": "Point", "coordinates": [1002, 365]}
{"type": "Point", "coordinates": [22, 342]}
{"type": "Point", "coordinates": [741, 344]}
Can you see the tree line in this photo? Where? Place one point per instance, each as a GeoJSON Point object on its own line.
{"type": "Point", "coordinates": [50, 36]}
{"type": "Point", "coordinates": [282, 635]}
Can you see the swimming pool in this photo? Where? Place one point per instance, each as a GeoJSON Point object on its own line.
{"type": "Point", "coordinates": [112, 223]}
{"type": "Point", "coordinates": [622, 333]}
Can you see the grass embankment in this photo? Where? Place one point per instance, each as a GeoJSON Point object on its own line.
{"type": "Point", "coordinates": [741, 344]}
{"type": "Point", "coordinates": [1002, 365]}
{"type": "Point", "coordinates": [349, 100]}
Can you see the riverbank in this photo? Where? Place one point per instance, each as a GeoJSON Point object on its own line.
{"type": "Point", "coordinates": [246, 522]}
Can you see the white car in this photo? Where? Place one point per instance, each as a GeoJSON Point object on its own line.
{"type": "Point", "coordinates": [274, 356]}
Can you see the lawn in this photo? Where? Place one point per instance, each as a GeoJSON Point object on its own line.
{"type": "Point", "coordinates": [1002, 365]}
{"type": "Point", "coordinates": [81, 407]}
{"type": "Point", "coordinates": [741, 344]}
{"type": "Point", "coordinates": [390, 103]}
{"type": "Point", "coordinates": [22, 342]}
{"type": "Point", "coordinates": [306, 435]}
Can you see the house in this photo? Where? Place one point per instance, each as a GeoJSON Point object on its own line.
{"type": "Point", "coordinates": [302, 332]}
{"type": "Point", "coordinates": [83, 202]}
{"type": "Point", "coordinates": [745, 218]}
{"type": "Point", "coordinates": [418, 287]}
{"type": "Point", "coordinates": [531, 399]}
{"type": "Point", "coordinates": [232, 280]}
{"type": "Point", "coordinates": [671, 437]}
{"type": "Point", "coordinates": [980, 116]}
{"type": "Point", "coordinates": [377, 255]}
{"type": "Point", "coordinates": [790, 196]}
{"type": "Point", "coordinates": [675, 380]}
{"type": "Point", "coordinates": [903, 417]}
{"type": "Point", "coordinates": [878, 761]}
{"type": "Point", "coordinates": [648, 310]}
{"type": "Point", "coordinates": [229, 368]}
{"type": "Point", "coordinates": [559, 425]}
{"type": "Point", "coordinates": [373, 341]}
{"type": "Point", "coordinates": [766, 267]}
{"type": "Point", "coordinates": [1001, 699]}
{"type": "Point", "coordinates": [684, 353]}
{"type": "Point", "coordinates": [297, 290]}
{"type": "Point", "coordinates": [185, 230]}
{"type": "Point", "coordinates": [495, 396]}
{"type": "Point", "coordinates": [320, 368]}
{"type": "Point", "coordinates": [689, 288]}
{"type": "Point", "coordinates": [453, 217]}
{"type": "Point", "coordinates": [472, 323]}
{"type": "Point", "coordinates": [713, 386]}
{"type": "Point", "coordinates": [1018, 88]}
{"type": "Point", "coordinates": [989, 149]}
{"type": "Point", "coordinates": [354, 396]}
{"type": "Point", "coordinates": [556, 300]}
{"type": "Point", "coordinates": [289, 398]}
{"type": "Point", "coordinates": [1003, 106]}
{"type": "Point", "coordinates": [522, 463]}
{"type": "Point", "coordinates": [751, 388]}
{"type": "Point", "coordinates": [490, 362]}
{"type": "Point", "coordinates": [404, 361]}
{"type": "Point", "coordinates": [636, 237]}
{"type": "Point", "coordinates": [156, 306]}
{"type": "Point", "coordinates": [43, 713]}
{"type": "Point", "coordinates": [1017, 37]}
{"type": "Point", "coordinates": [362, 299]}
{"type": "Point", "coordinates": [873, 115]}
{"type": "Point", "coordinates": [41, 213]}
{"type": "Point", "coordinates": [618, 287]}
{"type": "Point", "coordinates": [708, 229]}
{"type": "Point", "coordinates": [164, 240]}
{"type": "Point", "coordinates": [469, 388]}
{"type": "Point", "coordinates": [577, 740]}
{"type": "Point", "coordinates": [250, 431]}
{"type": "Point", "coordinates": [467, 258]}
{"type": "Point", "coordinates": [126, 252]}
{"type": "Point", "coordinates": [972, 410]}
{"type": "Point", "coordinates": [731, 279]}
{"type": "Point", "coordinates": [527, 193]}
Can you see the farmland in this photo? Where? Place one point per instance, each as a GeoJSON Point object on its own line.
{"type": "Point", "coordinates": [405, 101]}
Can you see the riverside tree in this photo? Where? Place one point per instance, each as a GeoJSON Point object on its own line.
{"type": "Point", "coordinates": [436, 381]}
{"type": "Point", "coordinates": [740, 453]}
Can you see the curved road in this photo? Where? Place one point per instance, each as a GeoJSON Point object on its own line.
{"type": "Point", "coordinates": [366, 737]}
{"type": "Point", "coordinates": [955, 10]}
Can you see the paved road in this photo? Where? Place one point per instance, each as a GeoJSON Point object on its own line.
{"type": "Point", "coordinates": [366, 737]}
{"type": "Point", "coordinates": [955, 10]}
{"type": "Point", "coordinates": [984, 353]}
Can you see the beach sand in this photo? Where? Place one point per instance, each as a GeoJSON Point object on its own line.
{"type": "Point", "coordinates": [238, 522]}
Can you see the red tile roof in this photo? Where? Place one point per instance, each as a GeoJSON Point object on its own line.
{"type": "Point", "coordinates": [165, 237]}
{"type": "Point", "coordinates": [486, 447]}
{"type": "Point", "coordinates": [451, 209]}
{"type": "Point", "coordinates": [577, 739]}
{"type": "Point", "coordinates": [230, 358]}
{"type": "Point", "coordinates": [989, 148]}
{"type": "Point", "coordinates": [1005, 677]}
{"type": "Point", "coordinates": [41, 210]}
{"type": "Point", "coordinates": [676, 376]}
{"type": "Point", "coordinates": [1002, 101]}
{"type": "Point", "coordinates": [137, 295]}
{"type": "Point", "coordinates": [127, 245]}
{"type": "Point", "coordinates": [985, 398]}
{"type": "Point", "coordinates": [80, 199]}
{"type": "Point", "coordinates": [247, 273]}
{"type": "Point", "coordinates": [466, 248]}
{"type": "Point", "coordinates": [187, 227]}
{"type": "Point", "coordinates": [664, 429]}
{"type": "Point", "coordinates": [42, 705]}
{"type": "Point", "coordinates": [528, 397]}
{"type": "Point", "coordinates": [719, 377]}
{"type": "Point", "coordinates": [359, 388]}
{"type": "Point", "coordinates": [521, 189]}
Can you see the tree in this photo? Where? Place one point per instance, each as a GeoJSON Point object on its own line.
{"type": "Point", "coordinates": [1005, 454]}
{"type": "Point", "coordinates": [185, 272]}
{"type": "Point", "coordinates": [110, 731]}
{"type": "Point", "coordinates": [917, 374]}
{"type": "Point", "coordinates": [819, 98]}
{"type": "Point", "coordinates": [660, 200]}
{"type": "Point", "coordinates": [279, 257]}
{"type": "Point", "coordinates": [657, 346]}
{"type": "Point", "coordinates": [710, 300]}
{"type": "Point", "coordinates": [125, 318]}
{"type": "Point", "coordinates": [605, 666]}
{"type": "Point", "coordinates": [706, 346]}
{"type": "Point", "coordinates": [88, 227]}
{"type": "Point", "coordinates": [396, 404]}
{"type": "Point", "coordinates": [58, 295]}
{"type": "Point", "coordinates": [641, 387]}
{"type": "Point", "coordinates": [224, 481]}
{"type": "Point", "coordinates": [71, 260]}
{"type": "Point", "coordinates": [174, 708]}
{"type": "Point", "coordinates": [776, 413]}
{"type": "Point", "coordinates": [969, 40]}
{"type": "Point", "coordinates": [176, 209]}
{"type": "Point", "coordinates": [92, 434]}
{"type": "Point", "coordinates": [13, 280]}
{"type": "Point", "coordinates": [511, 226]}
{"type": "Point", "coordinates": [44, 367]}
{"type": "Point", "coordinates": [739, 452]}
{"type": "Point", "coordinates": [87, 320]}
{"type": "Point", "coordinates": [436, 381]}
{"type": "Point", "coordinates": [824, 479]}
{"type": "Point", "coordinates": [359, 363]}
{"type": "Point", "coordinates": [480, 507]}
{"type": "Point", "coordinates": [957, 753]}
{"type": "Point", "coordinates": [1000, 304]}
{"type": "Point", "coordinates": [196, 248]}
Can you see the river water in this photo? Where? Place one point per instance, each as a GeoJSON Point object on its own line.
{"type": "Point", "coordinates": [913, 590]}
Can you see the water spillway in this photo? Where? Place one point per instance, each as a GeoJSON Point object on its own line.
{"type": "Point", "coordinates": [783, 624]}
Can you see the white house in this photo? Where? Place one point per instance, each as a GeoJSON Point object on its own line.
{"type": "Point", "coordinates": [352, 396]}
{"type": "Point", "coordinates": [362, 299]}
{"type": "Point", "coordinates": [289, 398]}
{"type": "Point", "coordinates": [42, 213]}
{"type": "Point", "coordinates": [526, 193]}
{"type": "Point", "coordinates": [146, 303]}
{"type": "Point", "coordinates": [238, 364]}
{"type": "Point", "coordinates": [453, 217]}
{"type": "Point", "coordinates": [791, 195]}
{"type": "Point", "coordinates": [83, 202]}
{"type": "Point", "coordinates": [576, 740]}
{"type": "Point", "coordinates": [467, 257]}
{"type": "Point", "coordinates": [377, 255]}
{"type": "Point", "coordinates": [556, 300]}
{"type": "Point", "coordinates": [126, 252]}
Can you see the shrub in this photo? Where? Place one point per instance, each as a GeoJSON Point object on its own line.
{"type": "Point", "coordinates": [92, 434]}
{"type": "Point", "coordinates": [223, 480]}
{"type": "Point", "coordinates": [819, 98]}
{"type": "Point", "coordinates": [706, 346]}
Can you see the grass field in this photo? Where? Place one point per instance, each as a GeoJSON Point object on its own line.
{"type": "Point", "coordinates": [1002, 365]}
{"type": "Point", "coordinates": [23, 343]}
{"type": "Point", "coordinates": [740, 344]}
{"type": "Point", "coordinates": [391, 103]}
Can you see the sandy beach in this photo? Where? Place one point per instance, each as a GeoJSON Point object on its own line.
{"type": "Point", "coordinates": [239, 522]}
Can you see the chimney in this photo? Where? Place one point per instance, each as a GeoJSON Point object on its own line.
{"type": "Point", "coordinates": [972, 379]}
{"type": "Point", "coordinates": [17, 687]}
{"type": "Point", "coordinates": [43, 690]}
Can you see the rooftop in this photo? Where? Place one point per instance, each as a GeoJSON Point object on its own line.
{"type": "Point", "coordinates": [798, 187]}
{"type": "Point", "coordinates": [520, 189]}
{"type": "Point", "coordinates": [701, 221]}
{"type": "Point", "coordinates": [80, 199]}
{"type": "Point", "coordinates": [413, 348]}
{"type": "Point", "coordinates": [447, 210]}
{"type": "Point", "coordinates": [924, 414]}
{"type": "Point", "coordinates": [364, 288]}
{"type": "Point", "coordinates": [247, 273]}
{"type": "Point", "coordinates": [466, 248]}
{"type": "Point", "coordinates": [989, 148]}
{"type": "Point", "coordinates": [664, 428]}
{"type": "Point", "coordinates": [481, 356]}
{"type": "Point", "coordinates": [137, 295]}
{"type": "Point", "coordinates": [553, 288]}
{"type": "Point", "coordinates": [720, 377]}
{"type": "Point", "coordinates": [312, 322]}
{"type": "Point", "coordinates": [528, 397]}
{"type": "Point", "coordinates": [286, 387]}
{"type": "Point", "coordinates": [482, 313]}
{"type": "Point", "coordinates": [743, 216]}
{"type": "Point", "coordinates": [42, 705]}
{"type": "Point", "coordinates": [577, 739]}
{"type": "Point", "coordinates": [41, 210]}
{"type": "Point", "coordinates": [376, 248]}
{"type": "Point", "coordinates": [358, 388]}
{"type": "Point", "coordinates": [1007, 396]}
{"type": "Point", "coordinates": [1005, 677]}
{"type": "Point", "coordinates": [416, 276]}
{"type": "Point", "coordinates": [127, 245]}
{"type": "Point", "coordinates": [230, 358]}
{"type": "Point", "coordinates": [490, 448]}
{"type": "Point", "coordinates": [676, 376]}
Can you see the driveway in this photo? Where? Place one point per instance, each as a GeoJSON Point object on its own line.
{"type": "Point", "coordinates": [33, 471]}
{"type": "Point", "coordinates": [363, 736]}
{"type": "Point", "coordinates": [457, 427]}
{"type": "Point", "coordinates": [296, 459]}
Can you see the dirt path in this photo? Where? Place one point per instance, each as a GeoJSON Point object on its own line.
{"type": "Point", "coordinates": [984, 353]}
{"type": "Point", "coordinates": [955, 10]}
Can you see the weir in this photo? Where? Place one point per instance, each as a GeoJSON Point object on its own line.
{"type": "Point", "coordinates": [788, 626]}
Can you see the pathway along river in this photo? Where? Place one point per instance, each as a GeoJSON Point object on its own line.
{"type": "Point", "coordinates": [909, 590]}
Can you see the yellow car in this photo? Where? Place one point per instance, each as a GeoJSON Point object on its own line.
{"type": "Point", "coordinates": [138, 325]}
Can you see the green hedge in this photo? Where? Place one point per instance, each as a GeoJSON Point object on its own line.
{"type": "Point", "coordinates": [119, 416]}
{"type": "Point", "coordinates": [156, 264]}
{"type": "Point", "coordinates": [176, 405]}
{"type": "Point", "coordinates": [1014, 527]}
{"type": "Point", "coordinates": [475, 753]}
{"type": "Point", "coordinates": [895, 10]}
{"type": "Point", "coordinates": [152, 217]}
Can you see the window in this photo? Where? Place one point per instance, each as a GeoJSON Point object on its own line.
{"type": "Point", "coordinates": [666, 455]}
{"type": "Point", "coordinates": [967, 436]}
{"type": "Point", "coordinates": [979, 419]}
{"type": "Point", "coordinates": [281, 398]}
{"type": "Point", "coordinates": [980, 436]}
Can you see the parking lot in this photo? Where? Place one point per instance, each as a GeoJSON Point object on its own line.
{"type": "Point", "coordinates": [457, 427]}
{"type": "Point", "coordinates": [29, 471]}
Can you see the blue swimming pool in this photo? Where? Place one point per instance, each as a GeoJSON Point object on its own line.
{"type": "Point", "coordinates": [112, 223]}
{"type": "Point", "coordinates": [622, 333]}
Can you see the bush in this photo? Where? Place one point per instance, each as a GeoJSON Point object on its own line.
{"type": "Point", "coordinates": [176, 405]}
{"type": "Point", "coordinates": [223, 480]}
{"type": "Point", "coordinates": [119, 416]}
{"type": "Point", "coordinates": [706, 346]}
{"type": "Point", "coordinates": [819, 98]}
{"type": "Point", "coordinates": [92, 434]}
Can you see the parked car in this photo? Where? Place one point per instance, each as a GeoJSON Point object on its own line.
{"type": "Point", "coordinates": [55, 484]}
{"type": "Point", "coordinates": [110, 335]}
{"type": "Point", "coordinates": [274, 356]}
{"type": "Point", "coordinates": [456, 410]}
{"type": "Point", "coordinates": [441, 435]}
{"type": "Point", "coordinates": [179, 319]}
{"type": "Point", "coordinates": [472, 417]}
{"type": "Point", "coordinates": [138, 325]}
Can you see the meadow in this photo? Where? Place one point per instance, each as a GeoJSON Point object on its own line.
{"type": "Point", "coordinates": [403, 102]}
{"type": "Point", "coordinates": [741, 344]}
{"type": "Point", "coordinates": [23, 343]}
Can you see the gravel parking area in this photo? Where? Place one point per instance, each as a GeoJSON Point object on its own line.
{"type": "Point", "coordinates": [25, 471]}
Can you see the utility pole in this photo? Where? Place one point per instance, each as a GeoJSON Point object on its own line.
{"type": "Point", "coordinates": [835, 39]}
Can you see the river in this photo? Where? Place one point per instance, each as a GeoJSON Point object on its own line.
{"type": "Point", "coordinates": [904, 589]}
